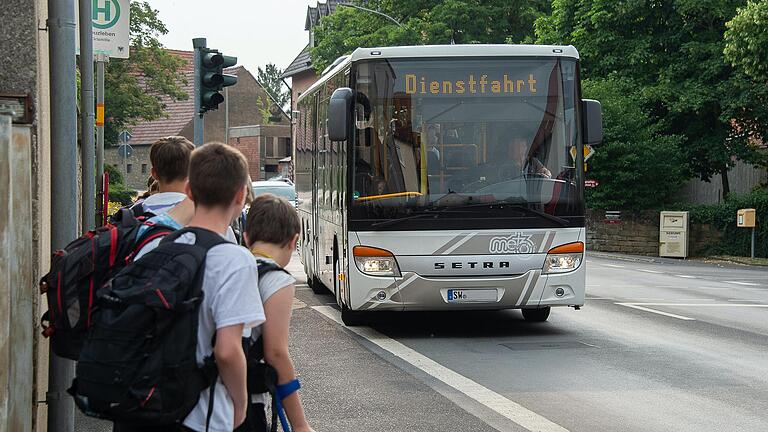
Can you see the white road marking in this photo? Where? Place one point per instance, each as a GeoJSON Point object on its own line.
{"type": "Point", "coordinates": [671, 315]}
{"type": "Point", "coordinates": [614, 265]}
{"type": "Point", "coordinates": [686, 276]}
{"type": "Point", "coordinates": [649, 271]}
{"type": "Point", "coordinates": [485, 396]}
{"type": "Point", "coordinates": [742, 283]}
{"type": "Point", "coordinates": [703, 304]}
{"type": "Point", "coordinates": [600, 298]}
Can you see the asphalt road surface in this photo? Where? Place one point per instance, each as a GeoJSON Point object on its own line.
{"type": "Point", "coordinates": [665, 346]}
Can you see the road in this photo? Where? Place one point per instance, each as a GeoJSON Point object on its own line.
{"type": "Point", "coordinates": [658, 347]}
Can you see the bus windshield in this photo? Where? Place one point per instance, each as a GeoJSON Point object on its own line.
{"type": "Point", "coordinates": [438, 134]}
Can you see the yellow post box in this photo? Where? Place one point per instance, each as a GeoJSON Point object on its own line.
{"type": "Point", "coordinates": [745, 218]}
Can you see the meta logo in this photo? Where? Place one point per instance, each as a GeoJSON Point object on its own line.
{"type": "Point", "coordinates": [515, 243]}
{"type": "Point", "coordinates": [471, 265]}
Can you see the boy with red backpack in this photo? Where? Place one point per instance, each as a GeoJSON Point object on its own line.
{"type": "Point", "coordinates": [165, 350]}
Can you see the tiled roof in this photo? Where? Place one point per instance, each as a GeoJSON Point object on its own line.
{"type": "Point", "coordinates": [301, 63]}
{"type": "Point", "coordinates": [179, 112]}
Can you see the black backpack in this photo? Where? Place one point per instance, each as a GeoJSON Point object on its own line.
{"type": "Point", "coordinates": [138, 366]}
{"type": "Point", "coordinates": [80, 269]}
{"type": "Point", "coordinates": [262, 377]}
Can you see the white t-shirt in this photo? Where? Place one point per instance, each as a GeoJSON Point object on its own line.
{"type": "Point", "coordinates": [161, 202]}
{"type": "Point", "coordinates": [229, 299]}
{"type": "Point", "coordinates": [271, 283]}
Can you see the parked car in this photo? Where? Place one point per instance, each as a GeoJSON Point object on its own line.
{"type": "Point", "coordinates": [281, 188]}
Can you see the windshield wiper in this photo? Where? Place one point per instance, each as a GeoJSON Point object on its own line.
{"type": "Point", "coordinates": [423, 214]}
{"type": "Point", "coordinates": [516, 204]}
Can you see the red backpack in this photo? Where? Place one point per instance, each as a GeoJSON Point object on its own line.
{"type": "Point", "coordinates": [81, 268]}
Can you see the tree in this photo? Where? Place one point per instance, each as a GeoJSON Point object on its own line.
{"type": "Point", "coordinates": [672, 51]}
{"type": "Point", "coordinates": [746, 40]}
{"type": "Point", "coordinates": [136, 88]}
{"type": "Point", "coordinates": [425, 22]}
{"type": "Point", "coordinates": [637, 166]}
{"type": "Point", "coordinates": [270, 81]}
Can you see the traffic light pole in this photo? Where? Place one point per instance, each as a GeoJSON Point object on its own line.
{"type": "Point", "coordinates": [199, 121]}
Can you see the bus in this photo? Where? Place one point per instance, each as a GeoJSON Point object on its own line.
{"type": "Point", "coordinates": [445, 178]}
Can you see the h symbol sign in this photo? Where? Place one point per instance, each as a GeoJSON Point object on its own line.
{"type": "Point", "coordinates": [105, 10]}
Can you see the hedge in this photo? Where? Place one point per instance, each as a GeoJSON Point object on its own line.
{"type": "Point", "coordinates": [723, 217]}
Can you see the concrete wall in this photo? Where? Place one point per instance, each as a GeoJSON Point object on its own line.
{"type": "Point", "coordinates": [742, 178]}
{"type": "Point", "coordinates": [24, 70]}
{"type": "Point", "coordinates": [638, 234]}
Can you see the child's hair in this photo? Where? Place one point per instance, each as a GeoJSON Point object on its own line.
{"type": "Point", "coordinates": [271, 219]}
{"type": "Point", "coordinates": [170, 158]}
{"type": "Point", "coordinates": [217, 172]}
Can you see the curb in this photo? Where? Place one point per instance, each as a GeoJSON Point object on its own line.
{"type": "Point", "coordinates": [706, 261]}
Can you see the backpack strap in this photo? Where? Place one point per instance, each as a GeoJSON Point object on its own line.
{"type": "Point", "coordinates": [268, 266]}
{"type": "Point", "coordinates": [203, 237]}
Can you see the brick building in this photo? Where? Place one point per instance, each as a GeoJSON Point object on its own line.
{"type": "Point", "coordinates": [267, 144]}
{"type": "Point", "coordinates": [243, 111]}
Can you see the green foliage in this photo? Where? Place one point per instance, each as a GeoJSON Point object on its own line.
{"type": "Point", "coordinates": [723, 217]}
{"type": "Point", "coordinates": [672, 51]}
{"type": "Point", "coordinates": [130, 99]}
{"type": "Point", "coordinates": [637, 166]}
{"type": "Point", "coordinates": [270, 80]}
{"type": "Point", "coordinates": [746, 40]}
{"type": "Point", "coordinates": [425, 22]}
{"type": "Point", "coordinates": [118, 192]}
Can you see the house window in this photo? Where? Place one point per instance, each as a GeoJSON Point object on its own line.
{"type": "Point", "coordinates": [285, 147]}
{"type": "Point", "coordinates": [128, 168]}
{"type": "Point", "coordinates": [270, 146]}
{"type": "Point", "coordinates": [143, 168]}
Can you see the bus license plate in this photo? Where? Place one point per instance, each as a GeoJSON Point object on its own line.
{"type": "Point", "coordinates": [471, 295]}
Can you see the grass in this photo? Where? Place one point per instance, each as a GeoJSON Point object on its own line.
{"type": "Point", "coordinates": [739, 260]}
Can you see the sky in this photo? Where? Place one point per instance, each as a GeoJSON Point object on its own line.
{"type": "Point", "coordinates": [257, 32]}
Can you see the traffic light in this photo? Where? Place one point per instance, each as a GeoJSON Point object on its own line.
{"type": "Point", "coordinates": [213, 79]}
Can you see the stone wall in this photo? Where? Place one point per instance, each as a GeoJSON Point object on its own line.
{"type": "Point", "coordinates": [638, 234]}
{"type": "Point", "coordinates": [138, 164]}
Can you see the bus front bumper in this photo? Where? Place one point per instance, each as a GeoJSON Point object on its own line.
{"type": "Point", "coordinates": [414, 292]}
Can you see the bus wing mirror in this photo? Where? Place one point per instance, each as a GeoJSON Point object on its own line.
{"type": "Point", "coordinates": [340, 114]}
{"type": "Point", "coordinates": [593, 121]}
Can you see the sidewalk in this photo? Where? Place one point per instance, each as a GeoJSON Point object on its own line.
{"type": "Point", "coordinates": [707, 261]}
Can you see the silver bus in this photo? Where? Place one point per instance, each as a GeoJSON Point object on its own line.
{"type": "Point", "coordinates": [445, 178]}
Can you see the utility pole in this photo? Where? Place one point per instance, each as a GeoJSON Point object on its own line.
{"type": "Point", "coordinates": [199, 121]}
{"type": "Point", "coordinates": [101, 61]}
{"type": "Point", "coordinates": [63, 94]}
{"type": "Point", "coordinates": [88, 210]}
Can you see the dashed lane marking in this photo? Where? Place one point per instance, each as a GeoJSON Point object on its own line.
{"type": "Point", "coordinates": [658, 312]}
{"type": "Point", "coordinates": [485, 396]}
{"type": "Point", "coordinates": [742, 283]}
{"type": "Point", "coordinates": [686, 276]}
{"type": "Point", "coordinates": [649, 271]}
{"type": "Point", "coordinates": [614, 265]}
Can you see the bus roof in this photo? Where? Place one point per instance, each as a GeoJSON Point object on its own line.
{"type": "Point", "coordinates": [442, 51]}
{"type": "Point", "coordinates": [474, 50]}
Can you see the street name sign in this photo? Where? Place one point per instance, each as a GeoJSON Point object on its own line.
{"type": "Point", "coordinates": [111, 28]}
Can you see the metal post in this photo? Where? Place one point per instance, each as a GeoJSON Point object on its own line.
{"type": "Point", "coordinates": [101, 61]}
{"type": "Point", "coordinates": [753, 242]}
{"type": "Point", "coordinates": [87, 116]}
{"type": "Point", "coordinates": [199, 122]}
{"type": "Point", "coordinates": [63, 97]}
{"type": "Point", "coordinates": [226, 115]}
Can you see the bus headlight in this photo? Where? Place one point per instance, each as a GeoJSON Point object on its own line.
{"type": "Point", "coordinates": [375, 262]}
{"type": "Point", "coordinates": [565, 258]}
